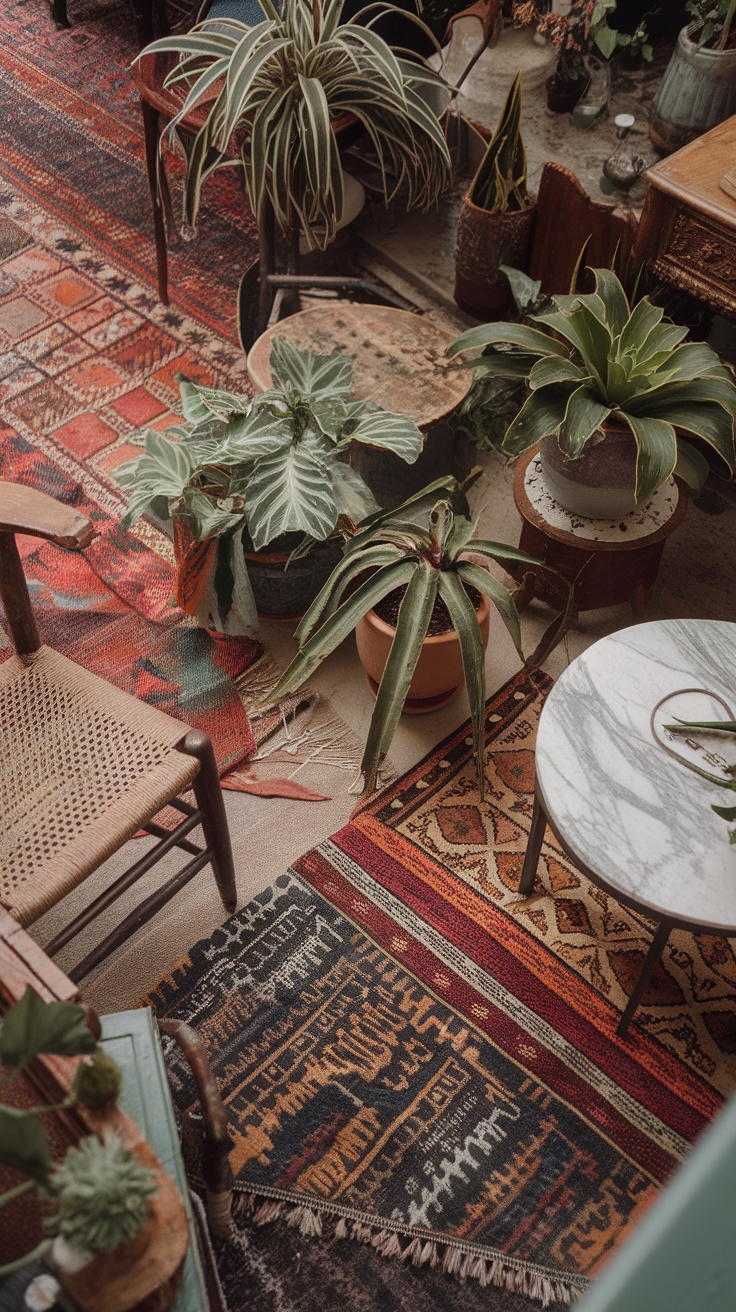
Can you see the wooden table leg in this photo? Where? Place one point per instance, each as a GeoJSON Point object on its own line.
{"type": "Point", "coordinates": [533, 849]}
{"type": "Point", "coordinates": [645, 974]}
{"type": "Point", "coordinates": [639, 600]}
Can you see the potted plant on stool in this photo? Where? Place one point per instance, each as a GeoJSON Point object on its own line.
{"type": "Point", "coordinates": [430, 574]}
{"type": "Point", "coordinates": [496, 220]}
{"type": "Point", "coordinates": [611, 387]}
{"type": "Point", "coordinates": [698, 89]}
{"type": "Point", "coordinates": [253, 491]}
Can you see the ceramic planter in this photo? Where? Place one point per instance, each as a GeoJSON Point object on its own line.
{"type": "Point", "coordinates": [484, 242]}
{"type": "Point", "coordinates": [698, 91]}
{"type": "Point", "coordinates": [438, 677]}
{"type": "Point", "coordinates": [284, 593]}
{"type": "Point", "coordinates": [600, 484]}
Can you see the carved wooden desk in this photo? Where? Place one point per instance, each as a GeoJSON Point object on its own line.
{"type": "Point", "coordinates": [688, 226]}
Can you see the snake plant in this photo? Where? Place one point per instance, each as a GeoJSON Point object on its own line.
{"type": "Point", "coordinates": [499, 185]}
{"type": "Point", "coordinates": [248, 472]}
{"type": "Point", "coordinates": [436, 559]}
{"type": "Point", "coordinates": [595, 358]}
{"type": "Point", "coordinates": [281, 85]}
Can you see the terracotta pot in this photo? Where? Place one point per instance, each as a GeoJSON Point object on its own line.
{"type": "Point", "coordinates": [698, 91]}
{"type": "Point", "coordinates": [484, 242]}
{"type": "Point", "coordinates": [562, 97]}
{"type": "Point", "coordinates": [600, 483]}
{"type": "Point", "coordinates": [438, 677]}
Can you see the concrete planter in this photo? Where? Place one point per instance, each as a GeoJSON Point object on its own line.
{"type": "Point", "coordinates": [600, 484]}
{"type": "Point", "coordinates": [698, 91]}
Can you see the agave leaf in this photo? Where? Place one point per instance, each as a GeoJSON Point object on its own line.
{"type": "Point", "coordinates": [658, 346]}
{"type": "Point", "coordinates": [614, 300]}
{"type": "Point", "coordinates": [543, 412]}
{"type": "Point", "coordinates": [672, 394]}
{"type": "Point", "coordinates": [644, 317]}
{"type": "Point", "coordinates": [656, 453]}
{"type": "Point", "coordinates": [553, 370]}
{"type": "Point", "coordinates": [531, 340]}
{"type": "Point", "coordinates": [705, 420]}
{"type": "Point", "coordinates": [484, 582]}
{"type": "Point", "coordinates": [583, 418]}
{"type": "Point", "coordinates": [692, 466]}
{"type": "Point", "coordinates": [693, 360]}
{"type": "Point", "coordinates": [392, 432]}
{"type": "Point", "coordinates": [579, 263]}
{"type": "Point", "coordinates": [337, 627]}
{"type": "Point", "coordinates": [343, 575]}
{"type": "Point", "coordinates": [465, 623]}
{"type": "Point", "coordinates": [411, 629]}
{"type": "Point", "coordinates": [507, 364]}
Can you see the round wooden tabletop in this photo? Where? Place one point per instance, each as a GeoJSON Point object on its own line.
{"type": "Point", "coordinates": [398, 357]}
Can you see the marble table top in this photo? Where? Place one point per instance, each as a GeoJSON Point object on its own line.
{"type": "Point", "coordinates": [637, 819]}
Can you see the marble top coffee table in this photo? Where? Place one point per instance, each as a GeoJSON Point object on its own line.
{"type": "Point", "coordinates": [634, 818]}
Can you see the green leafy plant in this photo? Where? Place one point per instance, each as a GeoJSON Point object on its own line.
{"type": "Point", "coordinates": [636, 45]}
{"type": "Point", "coordinates": [282, 85]}
{"type": "Point", "coordinates": [29, 1028]}
{"type": "Point", "coordinates": [715, 20]}
{"type": "Point", "coordinates": [429, 560]}
{"type": "Point", "coordinates": [499, 185]}
{"type": "Point", "coordinates": [575, 34]}
{"type": "Point", "coordinates": [594, 359]}
{"type": "Point", "coordinates": [249, 472]}
{"type": "Point", "coordinates": [727, 727]}
{"type": "Point", "coordinates": [101, 1195]}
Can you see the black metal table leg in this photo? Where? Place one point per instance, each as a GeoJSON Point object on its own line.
{"type": "Point", "coordinates": [645, 974]}
{"type": "Point", "coordinates": [533, 849]}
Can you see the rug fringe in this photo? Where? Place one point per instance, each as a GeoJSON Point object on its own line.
{"type": "Point", "coordinates": [451, 1259]}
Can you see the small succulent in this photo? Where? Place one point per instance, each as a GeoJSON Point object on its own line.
{"type": "Point", "coordinates": [101, 1194]}
{"type": "Point", "coordinates": [98, 1081]}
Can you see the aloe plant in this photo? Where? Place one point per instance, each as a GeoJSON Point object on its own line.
{"type": "Point", "coordinates": [595, 358]}
{"type": "Point", "coordinates": [282, 84]}
{"type": "Point", "coordinates": [249, 472]}
{"type": "Point", "coordinates": [499, 185]}
{"type": "Point", "coordinates": [429, 562]}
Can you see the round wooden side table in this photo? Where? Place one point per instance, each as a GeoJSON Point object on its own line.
{"type": "Point", "coordinates": [608, 561]}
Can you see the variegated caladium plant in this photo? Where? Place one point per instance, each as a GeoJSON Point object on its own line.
{"type": "Point", "coordinates": [596, 359]}
{"type": "Point", "coordinates": [251, 471]}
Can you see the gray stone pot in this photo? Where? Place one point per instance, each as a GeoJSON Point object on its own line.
{"type": "Point", "coordinates": [698, 91]}
{"type": "Point", "coordinates": [600, 484]}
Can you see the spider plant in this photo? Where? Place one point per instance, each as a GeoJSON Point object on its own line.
{"type": "Point", "coordinates": [429, 559]}
{"type": "Point", "coordinates": [282, 85]}
{"type": "Point", "coordinates": [596, 358]}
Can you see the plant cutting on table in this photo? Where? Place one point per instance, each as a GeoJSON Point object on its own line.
{"type": "Point", "coordinates": [597, 366]}
{"type": "Point", "coordinates": [240, 474]}
{"type": "Point", "coordinates": [431, 559]}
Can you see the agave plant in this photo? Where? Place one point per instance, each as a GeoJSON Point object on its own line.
{"type": "Point", "coordinates": [248, 472]}
{"type": "Point", "coordinates": [284, 83]}
{"type": "Point", "coordinates": [429, 561]}
{"type": "Point", "coordinates": [499, 185]}
{"type": "Point", "coordinates": [595, 358]}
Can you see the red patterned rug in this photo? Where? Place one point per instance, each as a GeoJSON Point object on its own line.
{"type": "Point", "coordinates": [416, 1058]}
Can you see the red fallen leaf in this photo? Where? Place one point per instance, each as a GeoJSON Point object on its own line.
{"type": "Point", "coordinates": [274, 788]}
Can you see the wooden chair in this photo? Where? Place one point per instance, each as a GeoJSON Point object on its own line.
{"type": "Point", "coordinates": [149, 16]}
{"type": "Point", "coordinates": [85, 765]}
{"type": "Point", "coordinates": [567, 217]}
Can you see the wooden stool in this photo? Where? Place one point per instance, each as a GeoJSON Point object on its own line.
{"type": "Point", "coordinates": [399, 362]}
{"type": "Point", "coordinates": [608, 561]}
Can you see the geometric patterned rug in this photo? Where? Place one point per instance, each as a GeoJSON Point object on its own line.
{"type": "Point", "coordinates": [415, 1057]}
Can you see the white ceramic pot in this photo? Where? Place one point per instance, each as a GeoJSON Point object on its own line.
{"type": "Point", "coordinates": [698, 91]}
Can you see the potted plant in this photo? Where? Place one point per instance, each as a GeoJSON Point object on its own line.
{"type": "Point", "coordinates": [102, 1201]}
{"type": "Point", "coordinates": [575, 34]}
{"type": "Point", "coordinates": [635, 48]}
{"type": "Point", "coordinates": [428, 570]}
{"type": "Point", "coordinates": [253, 491]}
{"type": "Point", "coordinates": [283, 88]}
{"type": "Point", "coordinates": [610, 388]}
{"type": "Point", "coordinates": [496, 220]}
{"type": "Point", "coordinates": [698, 89]}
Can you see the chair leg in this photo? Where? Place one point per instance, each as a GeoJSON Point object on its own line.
{"type": "Point", "coordinates": [59, 12]}
{"type": "Point", "coordinates": [151, 134]}
{"type": "Point", "coordinates": [533, 849]}
{"type": "Point", "coordinates": [208, 793]}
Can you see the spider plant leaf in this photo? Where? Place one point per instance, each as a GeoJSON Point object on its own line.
{"type": "Point", "coordinates": [465, 623]}
{"type": "Point", "coordinates": [531, 340]}
{"type": "Point", "coordinates": [391, 432]}
{"type": "Point", "coordinates": [339, 625]}
{"type": "Point", "coordinates": [553, 369]}
{"type": "Point", "coordinates": [291, 491]}
{"type": "Point", "coordinates": [583, 418]}
{"type": "Point", "coordinates": [411, 629]}
{"type": "Point", "coordinates": [244, 68]}
{"type": "Point", "coordinates": [197, 42]}
{"type": "Point", "coordinates": [484, 582]}
{"type": "Point", "coordinates": [656, 453]}
{"type": "Point", "coordinates": [346, 572]}
{"type": "Point", "coordinates": [543, 412]}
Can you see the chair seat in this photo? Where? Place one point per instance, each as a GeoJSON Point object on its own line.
{"type": "Point", "coordinates": [84, 765]}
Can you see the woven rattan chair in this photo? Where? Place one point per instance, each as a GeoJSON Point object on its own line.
{"type": "Point", "coordinates": [85, 766]}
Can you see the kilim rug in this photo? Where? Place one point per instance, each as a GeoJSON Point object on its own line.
{"type": "Point", "coordinates": [415, 1057]}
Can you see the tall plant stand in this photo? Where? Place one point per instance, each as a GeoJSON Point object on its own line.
{"type": "Point", "coordinates": [609, 562]}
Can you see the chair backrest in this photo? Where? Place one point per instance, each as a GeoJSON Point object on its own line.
{"type": "Point", "coordinates": [566, 219]}
{"type": "Point", "coordinates": [26, 510]}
